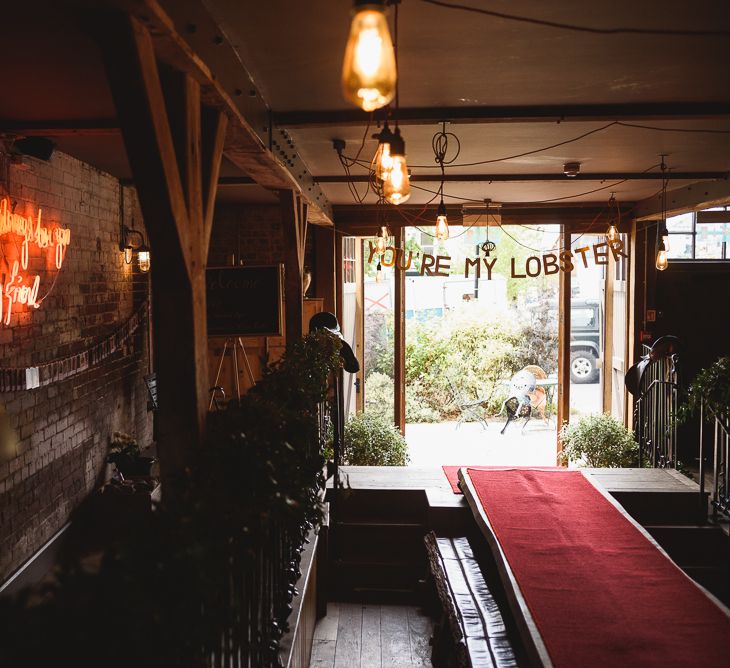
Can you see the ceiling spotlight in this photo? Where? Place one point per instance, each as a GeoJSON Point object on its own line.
{"type": "Point", "coordinates": [571, 169]}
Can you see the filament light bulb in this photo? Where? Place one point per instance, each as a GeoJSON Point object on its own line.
{"type": "Point", "coordinates": [382, 242]}
{"type": "Point", "coordinates": [383, 161]}
{"type": "Point", "coordinates": [612, 233]}
{"type": "Point", "coordinates": [442, 228]}
{"type": "Point", "coordinates": [662, 261]}
{"type": "Point", "coordinates": [368, 69]}
{"type": "Point", "coordinates": [397, 188]}
{"type": "Point", "coordinates": [379, 273]}
{"type": "Point", "coordinates": [442, 223]}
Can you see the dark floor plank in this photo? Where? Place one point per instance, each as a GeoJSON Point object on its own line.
{"type": "Point", "coordinates": [323, 654]}
{"type": "Point", "coordinates": [349, 636]}
{"type": "Point", "coordinates": [394, 637]}
{"type": "Point", "coordinates": [419, 630]}
{"type": "Point", "coordinates": [370, 655]}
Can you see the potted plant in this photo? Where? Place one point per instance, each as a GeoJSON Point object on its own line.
{"type": "Point", "coordinates": [373, 440]}
{"type": "Point", "coordinates": [126, 455]}
{"type": "Point", "coordinates": [599, 441]}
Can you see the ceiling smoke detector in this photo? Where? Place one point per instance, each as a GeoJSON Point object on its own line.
{"type": "Point", "coordinates": [571, 169]}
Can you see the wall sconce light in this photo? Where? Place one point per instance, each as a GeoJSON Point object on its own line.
{"type": "Point", "coordinates": [128, 248]}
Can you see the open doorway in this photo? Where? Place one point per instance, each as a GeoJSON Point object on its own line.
{"type": "Point", "coordinates": [481, 349]}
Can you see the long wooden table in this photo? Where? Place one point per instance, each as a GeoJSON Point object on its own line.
{"type": "Point", "coordinates": [541, 643]}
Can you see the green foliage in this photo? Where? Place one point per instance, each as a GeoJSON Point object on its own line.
{"type": "Point", "coordinates": [123, 444]}
{"type": "Point", "coordinates": [711, 385]}
{"type": "Point", "coordinates": [372, 440]}
{"type": "Point", "coordinates": [170, 584]}
{"type": "Point", "coordinates": [379, 400]}
{"type": "Point", "coordinates": [598, 441]}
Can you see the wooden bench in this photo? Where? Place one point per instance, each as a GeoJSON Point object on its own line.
{"type": "Point", "coordinates": [472, 632]}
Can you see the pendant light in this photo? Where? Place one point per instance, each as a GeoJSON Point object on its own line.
{"type": "Point", "coordinates": [440, 146]}
{"type": "Point", "coordinates": [382, 241]}
{"type": "Point", "coordinates": [379, 273]}
{"type": "Point", "coordinates": [612, 234]}
{"type": "Point", "coordinates": [397, 187]}
{"type": "Point", "coordinates": [442, 222]}
{"type": "Point", "coordinates": [369, 72]}
{"type": "Point", "coordinates": [383, 159]}
{"type": "Point", "coordinates": [662, 261]}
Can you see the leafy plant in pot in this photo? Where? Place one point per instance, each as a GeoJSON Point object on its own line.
{"type": "Point", "coordinates": [125, 454]}
{"type": "Point", "coordinates": [599, 441]}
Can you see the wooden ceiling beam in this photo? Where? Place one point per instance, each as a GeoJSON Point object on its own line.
{"type": "Point", "coordinates": [187, 38]}
{"type": "Point", "coordinates": [550, 113]}
{"type": "Point", "coordinates": [477, 178]}
{"type": "Point", "coordinates": [694, 197]}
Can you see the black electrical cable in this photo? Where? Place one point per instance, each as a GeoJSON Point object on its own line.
{"type": "Point", "coordinates": [578, 28]}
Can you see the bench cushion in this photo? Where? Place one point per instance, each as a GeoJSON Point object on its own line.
{"type": "Point", "coordinates": [476, 623]}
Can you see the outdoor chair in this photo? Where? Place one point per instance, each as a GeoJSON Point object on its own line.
{"type": "Point", "coordinates": [525, 396]}
{"type": "Point", "coordinates": [468, 408]}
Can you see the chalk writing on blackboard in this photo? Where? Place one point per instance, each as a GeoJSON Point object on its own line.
{"type": "Point", "coordinates": [244, 301]}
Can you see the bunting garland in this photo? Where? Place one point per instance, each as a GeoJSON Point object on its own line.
{"type": "Point", "coordinates": [18, 379]}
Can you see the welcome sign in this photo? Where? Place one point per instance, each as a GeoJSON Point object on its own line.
{"type": "Point", "coordinates": [532, 266]}
{"type": "Point", "coordinates": [19, 235]}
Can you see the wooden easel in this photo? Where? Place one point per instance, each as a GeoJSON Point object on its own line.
{"type": "Point", "coordinates": [236, 344]}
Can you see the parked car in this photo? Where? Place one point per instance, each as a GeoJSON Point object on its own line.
{"type": "Point", "coordinates": [585, 341]}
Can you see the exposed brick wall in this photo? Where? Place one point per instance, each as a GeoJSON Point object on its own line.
{"type": "Point", "coordinates": [53, 440]}
{"type": "Point", "coordinates": [251, 232]}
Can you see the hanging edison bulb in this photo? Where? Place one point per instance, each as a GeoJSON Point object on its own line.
{"type": "Point", "coordinates": [612, 233]}
{"type": "Point", "coordinates": [397, 187]}
{"type": "Point", "coordinates": [662, 261]}
{"type": "Point", "coordinates": [382, 242]}
{"type": "Point", "coordinates": [368, 69]}
{"type": "Point", "coordinates": [379, 273]}
{"type": "Point", "coordinates": [442, 223]}
{"type": "Point", "coordinates": [383, 159]}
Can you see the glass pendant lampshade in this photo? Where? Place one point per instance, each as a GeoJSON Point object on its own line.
{"type": "Point", "coordinates": [397, 187]}
{"type": "Point", "coordinates": [369, 69]}
{"type": "Point", "coordinates": [442, 223]}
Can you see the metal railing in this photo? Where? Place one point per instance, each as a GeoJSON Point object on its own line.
{"type": "Point", "coordinates": [655, 409]}
{"type": "Point", "coordinates": [720, 424]}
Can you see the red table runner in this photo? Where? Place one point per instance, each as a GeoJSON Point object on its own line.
{"type": "Point", "coordinates": [600, 593]}
{"type": "Point", "coordinates": [452, 472]}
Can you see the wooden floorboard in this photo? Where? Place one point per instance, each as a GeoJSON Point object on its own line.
{"type": "Point", "coordinates": [355, 635]}
{"type": "Point", "coordinates": [371, 652]}
{"type": "Point", "coordinates": [395, 637]}
{"type": "Point", "coordinates": [349, 636]}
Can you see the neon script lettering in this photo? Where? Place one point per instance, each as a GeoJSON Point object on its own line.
{"type": "Point", "coordinates": [20, 287]}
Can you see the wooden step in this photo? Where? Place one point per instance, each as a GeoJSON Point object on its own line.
{"type": "Point", "coordinates": [377, 542]}
{"type": "Point", "coordinates": [378, 506]}
{"type": "Point", "coordinates": [356, 578]}
{"type": "Point", "coordinates": [702, 546]}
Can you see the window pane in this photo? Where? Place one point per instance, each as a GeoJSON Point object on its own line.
{"type": "Point", "coordinates": [680, 247]}
{"type": "Point", "coordinates": [710, 238]}
{"type": "Point", "coordinates": [681, 223]}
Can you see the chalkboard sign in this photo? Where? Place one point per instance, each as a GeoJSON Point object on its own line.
{"type": "Point", "coordinates": [244, 301]}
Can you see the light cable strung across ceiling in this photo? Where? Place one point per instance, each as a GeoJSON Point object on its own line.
{"type": "Point", "coordinates": [620, 30]}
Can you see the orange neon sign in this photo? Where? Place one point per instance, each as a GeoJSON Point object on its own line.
{"type": "Point", "coordinates": [22, 287]}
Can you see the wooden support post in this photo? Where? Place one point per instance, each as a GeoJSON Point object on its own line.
{"type": "Point", "coordinates": [324, 270]}
{"type": "Point", "coordinates": [607, 336]}
{"type": "Point", "coordinates": [339, 278]}
{"type": "Point", "coordinates": [564, 341]}
{"type": "Point", "coordinates": [399, 329]}
{"type": "Point", "coordinates": [294, 222]}
{"type": "Point", "coordinates": [167, 144]}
